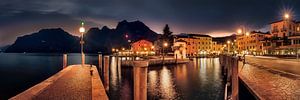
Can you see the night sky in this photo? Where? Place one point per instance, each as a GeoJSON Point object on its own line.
{"type": "Point", "coordinates": [214, 17]}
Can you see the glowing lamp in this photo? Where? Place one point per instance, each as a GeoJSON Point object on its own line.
{"type": "Point", "coordinates": [81, 29]}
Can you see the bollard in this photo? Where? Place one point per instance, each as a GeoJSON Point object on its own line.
{"type": "Point", "coordinates": [82, 59]}
{"type": "Point", "coordinates": [234, 79]}
{"type": "Point", "coordinates": [65, 60]}
{"type": "Point", "coordinates": [140, 79]}
{"type": "Point", "coordinates": [176, 59]}
{"type": "Point", "coordinates": [100, 63]}
{"type": "Point", "coordinates": [106, 73]}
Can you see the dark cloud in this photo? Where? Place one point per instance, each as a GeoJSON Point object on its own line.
{"type": "Point", "coordinates": [216, 17]}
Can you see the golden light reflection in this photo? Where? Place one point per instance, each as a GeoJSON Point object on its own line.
{"type": "Point", "coordinates": [113, 70]}
{"type": "Point", "coordinates": [203, 68]}
{"type": "Point", "coordinates": [166, 84]}
{"type": "Point", "coordinates": [152, 75]}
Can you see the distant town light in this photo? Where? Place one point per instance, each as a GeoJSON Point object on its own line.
{"type": "Point", "coordinates": [247, 33]}
{"type": "Point", "coordinates": [123, 49]}
{"type": "Point", "coordinates": [165, 44]}
{"type": "Point", "coordinates": [228, 42]}
{"type": "Point", "coordinates": [81, 29]}
{"type": "Point", "coordinates": [239, 31]}
{"type": "Point", "coordinates": [152, 47]}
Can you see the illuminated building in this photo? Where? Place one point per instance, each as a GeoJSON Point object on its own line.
{"type": "Point", "coordinates": [250, 43]}
{"type": "Point", "coordinates": [197, 44]}
{"type": "Point", "coordinates": [180, 49]}
{"type": "Point", "coordinates": [142, 47]}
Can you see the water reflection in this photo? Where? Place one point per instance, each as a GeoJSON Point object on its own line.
{"type": "Point", "coordinates": [200, 79]}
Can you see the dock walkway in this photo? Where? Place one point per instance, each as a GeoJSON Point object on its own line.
{"type": "Point", "coordinates": [270, 79]}
{"type": "Point", "coordinates": [72, 83]}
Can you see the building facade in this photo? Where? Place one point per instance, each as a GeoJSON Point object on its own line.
{"type": "Point", "coordinates": [142, 47]}
{"type": "Point", "coordinates": [251, 43]}
{"type": "Point", "coordinates": [197, 44]}
{"type": "Point", "coordinates": [180, 49]}
{"type": "Point", "coordinates": [284, 38]}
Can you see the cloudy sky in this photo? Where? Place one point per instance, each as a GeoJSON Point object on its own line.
{"type": "Point", "coordinates": [214, 17]}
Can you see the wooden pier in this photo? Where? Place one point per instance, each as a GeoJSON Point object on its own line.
{"type": "Point", "coordinates": [73, 82]}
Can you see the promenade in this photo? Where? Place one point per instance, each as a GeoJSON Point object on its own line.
{"type": "Point", "coordinates": [72, 83]}
{"type": "Point", "coordinates": [271, 78]}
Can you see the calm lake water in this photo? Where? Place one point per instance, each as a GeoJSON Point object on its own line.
{"type": "Point", "coordinates": [199, 79]}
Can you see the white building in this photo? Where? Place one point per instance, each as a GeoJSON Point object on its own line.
{"type": "Point", "coordinates": [180, 49]}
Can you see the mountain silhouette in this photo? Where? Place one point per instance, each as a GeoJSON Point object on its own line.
{"type": "Point", "coordinates": [46, 40]}
{"type": "Point", "coordinates": [96, 40]}
{"type": "Point", "coordinates": [103, 40]}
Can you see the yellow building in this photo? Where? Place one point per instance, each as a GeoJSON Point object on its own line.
{"type": "Point", "coordinates": [216, 48]}
{"type": "Point", "coordinates": [284, 39]}
{"type": "Point", "coordinates": [197, 44]}
{"type": "Point", "coordinates": [250, 43]}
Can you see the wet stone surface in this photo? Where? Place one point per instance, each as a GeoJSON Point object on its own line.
{"type": "Point", "coordinates": [270, 85]}
{"type": "Point", "coordinates": [74, 85]}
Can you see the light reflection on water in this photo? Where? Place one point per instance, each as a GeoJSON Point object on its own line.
{"type": "Point", "coordinates": [199, 79]}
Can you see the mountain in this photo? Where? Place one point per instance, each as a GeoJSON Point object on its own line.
{"type": "Point", "coordinates": [46, 40]}
{"type": "Point", "coordinates": [102, 40]}
{"type": "Point", "coordinates": [2, 49]}
{"type": "Point", "coordinates": [96, 40]}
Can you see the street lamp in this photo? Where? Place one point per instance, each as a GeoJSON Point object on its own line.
{"type": "Point", "coordinates": [82, 31]}
{"type": "Point", "coordinates": [286, 16]}
{"type": "Point", "coordinates": [247, 33]}
{"type": "Point", "coordinates": [228, 42]}
{"type": "Point", "coordinates": [165, 45]}
{"type": "Point", "coordinates": [239, 31]}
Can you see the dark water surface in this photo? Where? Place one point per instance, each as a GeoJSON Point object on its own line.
{"type": "Point", "coordinates": [199, 79]}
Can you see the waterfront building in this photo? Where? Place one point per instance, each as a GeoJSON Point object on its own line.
{"type": "Point", "coordinates": [180, 49]}
{"type": "Point", "coordinates": [227, 44]}
{"type": "Point", "coordinates": [284, 39]}
{"type": "Point", "coordinates": [142, 47]}
{"type": "Point", "coordinates": [250, 43]}
{"type": "Point", "coordinates": [197, 44]}
{"type": "Point", "coordinates": [216, 48]}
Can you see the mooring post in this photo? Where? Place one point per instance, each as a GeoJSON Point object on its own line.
{"type": "Point", "coordinates": [235, 79]}
{"type": "Point", "coordinates": [65, 60]}
{"type": "Point", "coordinates": [106, 73]}
{"type": "Point", "coordinates": [140, 79]}
{"type": "Point", "coordinates": [100, 61]}
{"type": "Point", "coordinates": [175, 58]}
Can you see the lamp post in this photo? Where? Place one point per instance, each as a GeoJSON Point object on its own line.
{"type": "Point", "coordinates": [228, 50]}
{"type": "Point", "coordinates": [82, 30]}
{"type": "Point", "coordinates": [164, 45]}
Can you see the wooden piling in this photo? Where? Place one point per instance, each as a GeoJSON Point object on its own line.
{"type": "Point", "coordinates": [65, 60]}
{"type": "Point", "coordinates": [100, 62]}
{"type": "Point", "coordinates": [234, 79]}
{"type": "Point", "coordinates": [140, 79]}
{"type": "Point", "coordinates": [106, 73]}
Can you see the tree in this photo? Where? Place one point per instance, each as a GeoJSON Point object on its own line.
{"type": "Point", "coordinates": [167, 37]}
{"type": "Point", "coordinates": [166, 32]}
